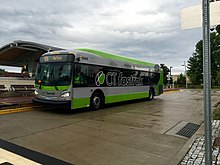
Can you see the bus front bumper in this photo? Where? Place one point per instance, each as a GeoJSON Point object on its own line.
{"type": "Point", "coordinates": [66, 104]}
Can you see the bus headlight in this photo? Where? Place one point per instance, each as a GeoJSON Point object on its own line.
{"type": "Point", "coordinates": [36, 92]}
{"type": "Point", "coordinates": [65, 94]}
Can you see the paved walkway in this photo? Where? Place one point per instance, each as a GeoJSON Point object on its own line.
{"type": "Point", "coordinates": [196, 154]}
{"type": "Point", "coordinates": [10, 101]}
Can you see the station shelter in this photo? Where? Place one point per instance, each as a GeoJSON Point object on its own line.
{"type": "Point", "coordinates": [23, 54]}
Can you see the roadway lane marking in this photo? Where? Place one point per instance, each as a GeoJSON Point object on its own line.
{"type": "Point", "coordinates": [12, 158]}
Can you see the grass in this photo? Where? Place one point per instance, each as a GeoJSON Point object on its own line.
{"type": "Point", "coordinates": [216, 112]}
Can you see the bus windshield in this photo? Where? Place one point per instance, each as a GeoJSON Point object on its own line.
{"type": "Point", "coordinates": [53, 74]}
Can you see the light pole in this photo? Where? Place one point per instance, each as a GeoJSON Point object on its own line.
{"type": "Point", "coordinates": [170, 70]}
{"type": "Point", "coordinates": [185, 72]}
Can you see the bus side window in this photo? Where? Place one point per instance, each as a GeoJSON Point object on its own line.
{"type": "Point", "coordinates": [85, 75]}
{"type": "Point", "coordinates": [155, 78]}
{"type": "Point", "coordinates": [78, 77]}
{"type": "Point", "coordinates": [146, 78]}
{"type": "Point", "coordinates": [150, 78]}
{"type": "Point", "coordinates": [88, 75]}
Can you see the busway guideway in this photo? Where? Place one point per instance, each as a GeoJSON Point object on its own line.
{"type": "Point", "coordinates": [23, 104]}
{"type": "Point", "coordinates": [11, 153]}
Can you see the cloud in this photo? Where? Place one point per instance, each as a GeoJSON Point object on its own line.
{"type": "Point", "coordinates": [143, 29]}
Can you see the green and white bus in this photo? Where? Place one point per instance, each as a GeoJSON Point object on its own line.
{"type": "Point", "coordinates": [90, 78]}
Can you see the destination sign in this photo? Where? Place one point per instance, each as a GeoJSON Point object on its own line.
{"type": "Point", "coordinates": [56, 58]}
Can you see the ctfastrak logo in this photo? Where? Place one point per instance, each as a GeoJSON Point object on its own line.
{"type": "Point", "coordinates": [115, 79]}
{"type": "Point", "coordinates": [99, 78]}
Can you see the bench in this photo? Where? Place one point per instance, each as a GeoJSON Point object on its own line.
{"type": "Point", "coordinates": [3, 89]}
{"type": "Point", "coordinates": [25, 89]}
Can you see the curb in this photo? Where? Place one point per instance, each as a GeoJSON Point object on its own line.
{"type": "Point", "coordinates": [178, 157]}
{"type": "Point", "coordinates": [171, 89]}
{"type": "Point", "coordinates": [15, 105]}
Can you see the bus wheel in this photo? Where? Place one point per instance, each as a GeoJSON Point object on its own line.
{"type": "Point", "coordinates": [96, 101]}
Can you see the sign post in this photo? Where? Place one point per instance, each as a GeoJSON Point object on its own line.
{"type": "Point", "coordinates": [207, 82]}
{"type": "Point", "coordinates": [194, 17]}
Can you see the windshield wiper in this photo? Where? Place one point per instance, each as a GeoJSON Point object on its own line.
{"type": "Point", "coordinates": [56, 87]}
{"type": "Point", "coordinates": [52, 78]}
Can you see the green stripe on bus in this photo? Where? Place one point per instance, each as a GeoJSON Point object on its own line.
{"type": "Point", "coordinates": [125, 97]}
{"type": "Point", "coordinates": [117, 57]}
{"type": "Point", "coordinates": [52, 88]}
{"type": "Point", "coordinates": [80, 102]}
{"type": "Point", "coordinates": [85, 102]}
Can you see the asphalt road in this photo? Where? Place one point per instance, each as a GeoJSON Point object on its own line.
{"type": "Point", "coordinates": [137, 133]}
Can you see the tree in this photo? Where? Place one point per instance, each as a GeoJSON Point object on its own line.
{"type": "Point", "coordinates": [218, 78]}
{"type": "Point", "coordinates": [166, 71]}
{"type": "Point", "coordinates": [2, 71]}
{"type": "Point", "coordinates": [181, 80]}
{"type": "Point", "coordinates": [195, 63]}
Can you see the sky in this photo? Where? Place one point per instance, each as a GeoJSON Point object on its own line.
{"type": "Point", "coordinates": [147, 30]}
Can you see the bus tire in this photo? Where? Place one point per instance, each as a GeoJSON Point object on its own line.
{"type": "Point", "coordinates": [96, 101]}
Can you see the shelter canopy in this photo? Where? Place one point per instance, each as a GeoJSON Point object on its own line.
{"type": "Point", "coordinates": [23, 53]}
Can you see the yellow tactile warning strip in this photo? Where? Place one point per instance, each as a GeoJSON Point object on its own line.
{"type": "Point", "coordinates": [170, 91]}
{"type": "Point", "coordinates": [15, 110]}
{"type": "Point", "coordinates": [12, 158]}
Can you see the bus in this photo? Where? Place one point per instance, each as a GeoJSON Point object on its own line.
{"type": "Point", "coordinates": [90, 78]}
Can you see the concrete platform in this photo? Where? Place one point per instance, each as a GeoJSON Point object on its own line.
{"type": "Point", "coordinates": [136, 133]}
{"type": "Point", "coordinates": [14, 101]}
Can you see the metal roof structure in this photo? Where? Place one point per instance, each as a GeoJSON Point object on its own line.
{"type": "Point", "coordinates": [23, 53]}
{"type": "Point", "coordinates": [18, 52]}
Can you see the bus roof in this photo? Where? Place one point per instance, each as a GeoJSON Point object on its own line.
{"type": "Point", "coordinates": [116, 57]}
{"type": "Point", "coordinates": [98, 57]}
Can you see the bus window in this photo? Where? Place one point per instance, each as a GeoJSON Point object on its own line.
{"type": "Point", "coordinates": [155, 78]}
{"type": "Point", "coordinates": [64, 74]}
{"type": "Point", "coordinates": [146, 78]}
{"type": "Point", "coordinates": [78, 76]}
{"type": "Point", "coordinates": [54, 74]}
{"type": "Point", "coordinates": [85, 75]}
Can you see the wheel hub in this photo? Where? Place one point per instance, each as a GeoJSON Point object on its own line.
{"type": "Point", "coordinates": [96, 102]}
